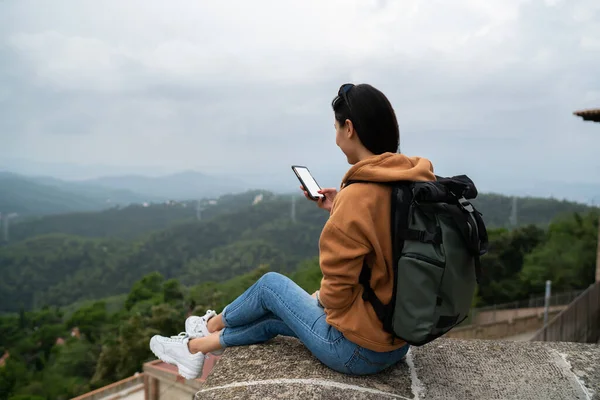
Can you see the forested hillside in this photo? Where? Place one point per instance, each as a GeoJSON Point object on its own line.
{"type": "Point", "coordinates": [58, 269]}
{"type": "Point", "coordinates": [31, 196]}
{"type": "Point", "coordinates": [38, 196]}
{"type": "Point", "coordinates": [61, 259]}
{"type": "Point", "coordinates": [497, 209]}
{"type": "Point", "coordinates": [132, 221]}
{"type": "Point", "coordinates": [25, 197]}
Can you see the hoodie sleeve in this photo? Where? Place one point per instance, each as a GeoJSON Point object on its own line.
{"type": "Point", "coordinates": [342, 250]}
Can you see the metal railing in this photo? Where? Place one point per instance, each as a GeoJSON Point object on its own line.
{"type": "Point", "coordinates": [516, 309]}
{"type": "Point", "coordinates": [579, 322]}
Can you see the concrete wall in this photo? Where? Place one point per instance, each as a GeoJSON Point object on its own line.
{"type": "Point", "coordinates": [124, 389]}
{"type": "Point", "coordinates": [173, 392]}
{"type": "Point", "coordinates": [501, 329]}
{"type": "Point", "coordinates": [487, 317]}
{"type": "Point", "coordinates": [163, 382]}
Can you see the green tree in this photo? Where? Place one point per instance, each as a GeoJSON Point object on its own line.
{"type": "Point", "coordinates": [91, 320]}
{"type": "Point", "coordinates": [172, 291]}
{"type": "Point", "coordinates": [567, 257]}
{"type": "Point", "coordinates": [502, 265]}
{"type": "Point", "coordinates": [13, 375]}
{"type": "Point", "coordinates": [149, 287]}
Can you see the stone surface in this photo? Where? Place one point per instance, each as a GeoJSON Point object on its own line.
{"type": "Point", "coordinates": [444, 369]}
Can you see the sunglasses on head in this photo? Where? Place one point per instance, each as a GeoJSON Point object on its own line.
{"type": "Point", "coordinates": [343, 94]}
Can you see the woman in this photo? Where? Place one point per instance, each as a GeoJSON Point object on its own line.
{"type": "Point", "coordinates": [334, 323]}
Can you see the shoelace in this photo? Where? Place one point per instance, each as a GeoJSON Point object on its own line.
{"type": "Point", "coordinates": [179, 338]}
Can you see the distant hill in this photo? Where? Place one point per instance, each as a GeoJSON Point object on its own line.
{"type": "Point", "coordinates": [181, 186]}
{"type": "Point", "coordinates": [109, 195]}
{"type": "Point", "coordinates": [27, 197]}
{"type": "Point", "coordinates": [497, 209]}
{"type": "Point", "coordinates": [132, 221]}
{"type": "Point", "coordinates": [30, 196]}
{"type": "Point", "coordinates": [40, 195]}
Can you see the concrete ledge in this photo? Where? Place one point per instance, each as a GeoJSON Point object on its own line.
{"type": "Point", "coordinates": [445, 369]}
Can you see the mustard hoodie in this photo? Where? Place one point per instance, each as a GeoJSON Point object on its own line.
{"type": "Point", "coordinates": [358, 229]}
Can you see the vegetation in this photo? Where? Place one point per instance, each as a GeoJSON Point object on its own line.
{"type": "Point", "coordinates": [497, 210]}
{"type": "Point", "coordinates": [119, 290]}
{"type": "Point", "coordinates": [25, 197]}
{"type": "Point", "coordinates": [521, 261]}
{"type": "Point", "coordinates": [41, 196]}
{"type": "Point", "coordinates": [130, 222]}
{"type": "Point", "coordinates": [37, 196]}
{"type": "Point", "coordinates": [137, 220]}
{"type": "Point", "coordinates": [59, 269]}
{"type": "Point", "coordinates": [46, 361]}
{"type": "Point", "coordinates": [95, 256]}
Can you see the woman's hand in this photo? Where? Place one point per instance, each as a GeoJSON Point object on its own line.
{"type": "Point", "coordinates": [325, 202]}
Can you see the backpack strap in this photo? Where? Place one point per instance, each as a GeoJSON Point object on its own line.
{"type": "Point", "coordinates": [381, 310]}
{"type": "Point", "coordinates": [369, 295]}
{"type": "Point", "coordinates": [472, 227]}
{"type": "Point", "coordinates": [400, 202]}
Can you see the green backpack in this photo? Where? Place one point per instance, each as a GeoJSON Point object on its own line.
{"type": "Point", "coordinates": [438, 238]}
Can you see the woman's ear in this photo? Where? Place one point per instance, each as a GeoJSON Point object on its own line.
{"type": "Point", "coordinates": [349, 129]}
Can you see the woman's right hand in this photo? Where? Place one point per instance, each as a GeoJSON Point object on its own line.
{"type": "Point", "coordinates": [325, 202]}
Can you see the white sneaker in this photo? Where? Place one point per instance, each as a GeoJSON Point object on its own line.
{"type": "Point", "coordinates": [197, 327]}
{"type": "Point", "coordinates": [174, 350]}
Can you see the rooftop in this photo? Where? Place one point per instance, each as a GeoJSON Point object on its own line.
{"type": "Point", "coordinates": [589, 115]}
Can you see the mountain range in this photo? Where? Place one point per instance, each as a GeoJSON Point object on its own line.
{"type": "Point", "coordinates": [43, 195]}
{"type": "Point", "coordinates": [185, 185]}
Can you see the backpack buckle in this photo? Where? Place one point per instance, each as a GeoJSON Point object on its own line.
{"type": "Point", "coordinates": [465, 205]}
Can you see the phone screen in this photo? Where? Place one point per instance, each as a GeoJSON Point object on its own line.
{"type": "Point", "coordinates": [311, 185]}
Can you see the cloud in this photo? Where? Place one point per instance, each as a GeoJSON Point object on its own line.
{"type": "Point", "coordinates": [485, 88]}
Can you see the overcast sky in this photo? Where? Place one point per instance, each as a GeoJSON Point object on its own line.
{"type": "Point", "coordinates": [480, 87]}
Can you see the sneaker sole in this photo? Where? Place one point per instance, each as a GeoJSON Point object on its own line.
{"type": "Point", "coordinates": [182, 369]}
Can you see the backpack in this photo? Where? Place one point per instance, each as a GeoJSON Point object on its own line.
{"type": "Point", "coordinates": [438, 238]}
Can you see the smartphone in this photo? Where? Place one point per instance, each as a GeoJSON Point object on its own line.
{"type": "Point", "coordinates": [308, 182]}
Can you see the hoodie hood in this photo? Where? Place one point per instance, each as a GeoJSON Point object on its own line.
{"type": "Point", "coordinates": [391, 167]}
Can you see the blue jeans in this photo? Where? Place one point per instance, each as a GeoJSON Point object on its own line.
{"type": "Point", "coordinates": [275, 305]}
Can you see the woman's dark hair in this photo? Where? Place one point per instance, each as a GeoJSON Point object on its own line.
{"type": "Point", "coordinates": [372, 115]}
